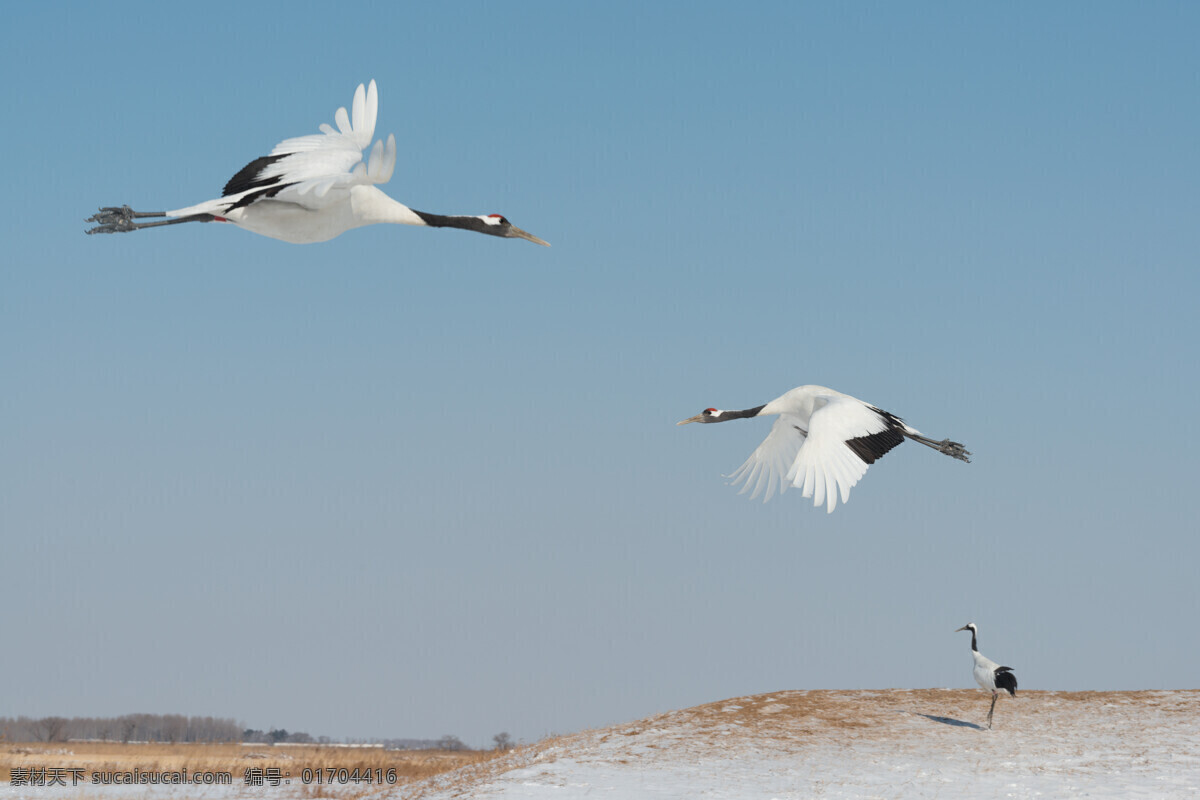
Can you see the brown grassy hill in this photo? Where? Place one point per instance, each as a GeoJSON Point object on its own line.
{"type": "Point", "coordinates": [851, 744]}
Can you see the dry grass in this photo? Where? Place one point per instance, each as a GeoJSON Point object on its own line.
{"type": "Point", "coordinates": [97, 757]}
{"type": "Point", "coordinates": [786, 717]}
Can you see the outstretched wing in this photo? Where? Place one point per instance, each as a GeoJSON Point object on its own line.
{"type": "Point", "coordinates": [768, 465]}
{"type": "Point", "coordinates": [845, 437]}
{"type": "Point", "coordinates": [314, 171]}
{"type": "Point", "coordinates": [311, 166]}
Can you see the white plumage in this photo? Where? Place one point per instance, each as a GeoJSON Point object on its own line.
{"type": "Point", "coordinates": [822, 443]}
{"type": "Point", "coordinates": [313, 188]}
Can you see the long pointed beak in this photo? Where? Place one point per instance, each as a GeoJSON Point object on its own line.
{"type": "Point", "coordinates": [963, 628]}
{"type": "Point", "coordinates": [514, 231]}
{"type": "Point", "coordinates": [696, 418]}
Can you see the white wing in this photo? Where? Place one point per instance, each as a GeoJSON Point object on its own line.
{"type": "Point", "coordinates": [768, 464]}
{"type": "Point", "coordinates": [315, 171]}
{"type": "Point", "coordinates": [316, 164]}
{"type": "Point", "coordinates": [825, 464]}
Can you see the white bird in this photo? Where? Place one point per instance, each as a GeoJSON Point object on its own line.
{"type": "Point", "coordinates": [313, 188]}
{"type": "Point", "coordinates": [990, 675]}
{"type": "Point", "coordinates": [822, 443]}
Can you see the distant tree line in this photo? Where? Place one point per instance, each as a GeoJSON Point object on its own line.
{"type": "Point", "coordinates": [126, 728]}
{"type": "Point", "coordinates": [174, 728]}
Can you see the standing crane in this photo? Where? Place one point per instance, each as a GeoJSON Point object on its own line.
{"type": "Point", "coordinates": [989, 675]}
{"type": "Point", "coordinates": [822, 443]}
{"type": "Point", "coordinates": [313, 188]}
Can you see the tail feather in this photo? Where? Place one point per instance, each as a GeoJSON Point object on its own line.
{"type": "Point", "coordinates": [1006, 680]}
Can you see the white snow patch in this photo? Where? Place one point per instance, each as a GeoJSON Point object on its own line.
{"type": "Point", "coordinates": [882, 744]}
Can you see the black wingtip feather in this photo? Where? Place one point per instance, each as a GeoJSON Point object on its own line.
{"type": "Point", "coordinates": [247, 176]}
{"type": "Point", "coordinates": [870, 448]}
{"type": "Point", "coordinates": [246, 200]}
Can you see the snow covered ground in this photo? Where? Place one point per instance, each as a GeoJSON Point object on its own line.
{"type": "Point", "coordinates": [895, 743]}
{"type": "Point", "coordinates": [870, 744]}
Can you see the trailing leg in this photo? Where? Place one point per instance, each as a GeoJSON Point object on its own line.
{"type": "Point", "coordinates": [120, 219]}
{"type": "Point", "coordinates": [952, 449]}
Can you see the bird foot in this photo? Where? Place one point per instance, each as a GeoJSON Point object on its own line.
{"type": "Point", "coordinates": [112, 220]}
{"type": "Point", "coordinates": [954, 450]}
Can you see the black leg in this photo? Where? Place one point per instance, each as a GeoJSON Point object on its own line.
{"type": "Point", "coordinates": [120, 219]}
{"type": "Point", "coordinates": [952, 449]}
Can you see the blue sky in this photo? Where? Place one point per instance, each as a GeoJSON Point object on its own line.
{"type": "Point", "coordinates": [422, 482]}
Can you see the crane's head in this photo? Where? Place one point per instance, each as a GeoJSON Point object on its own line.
{"type": "Point", "coordinates": [970, 626]}
{"type": "Point", "coordinates": [717, 415]}
{"type": "Point", "coordinates": [707, 415]}
{"type": "Point", "coordinates": [497, 225]}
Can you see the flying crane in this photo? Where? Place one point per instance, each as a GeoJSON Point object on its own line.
{"type": "Point", "coordinates": [313, 188]}
{"type": "Point", "coordinates": [822, 443]}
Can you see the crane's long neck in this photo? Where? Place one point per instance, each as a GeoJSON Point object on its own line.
{"type": "Point", "coordinates": [749, 412]}
{"type": "Point", "coordinates": [974, 647]}
{"type": "Point", "coordinates": [467, 223]}
{"type": "Point", "coordinates": [370, 205]}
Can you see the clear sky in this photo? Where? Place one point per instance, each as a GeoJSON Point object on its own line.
{"type": "Point", "coordinates": [421, 482]}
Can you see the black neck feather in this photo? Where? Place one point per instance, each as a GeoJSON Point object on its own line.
{"type": "Point", "coordinates": [749, 412]}
{"type": "Point", "coordinates": [443, 221]}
